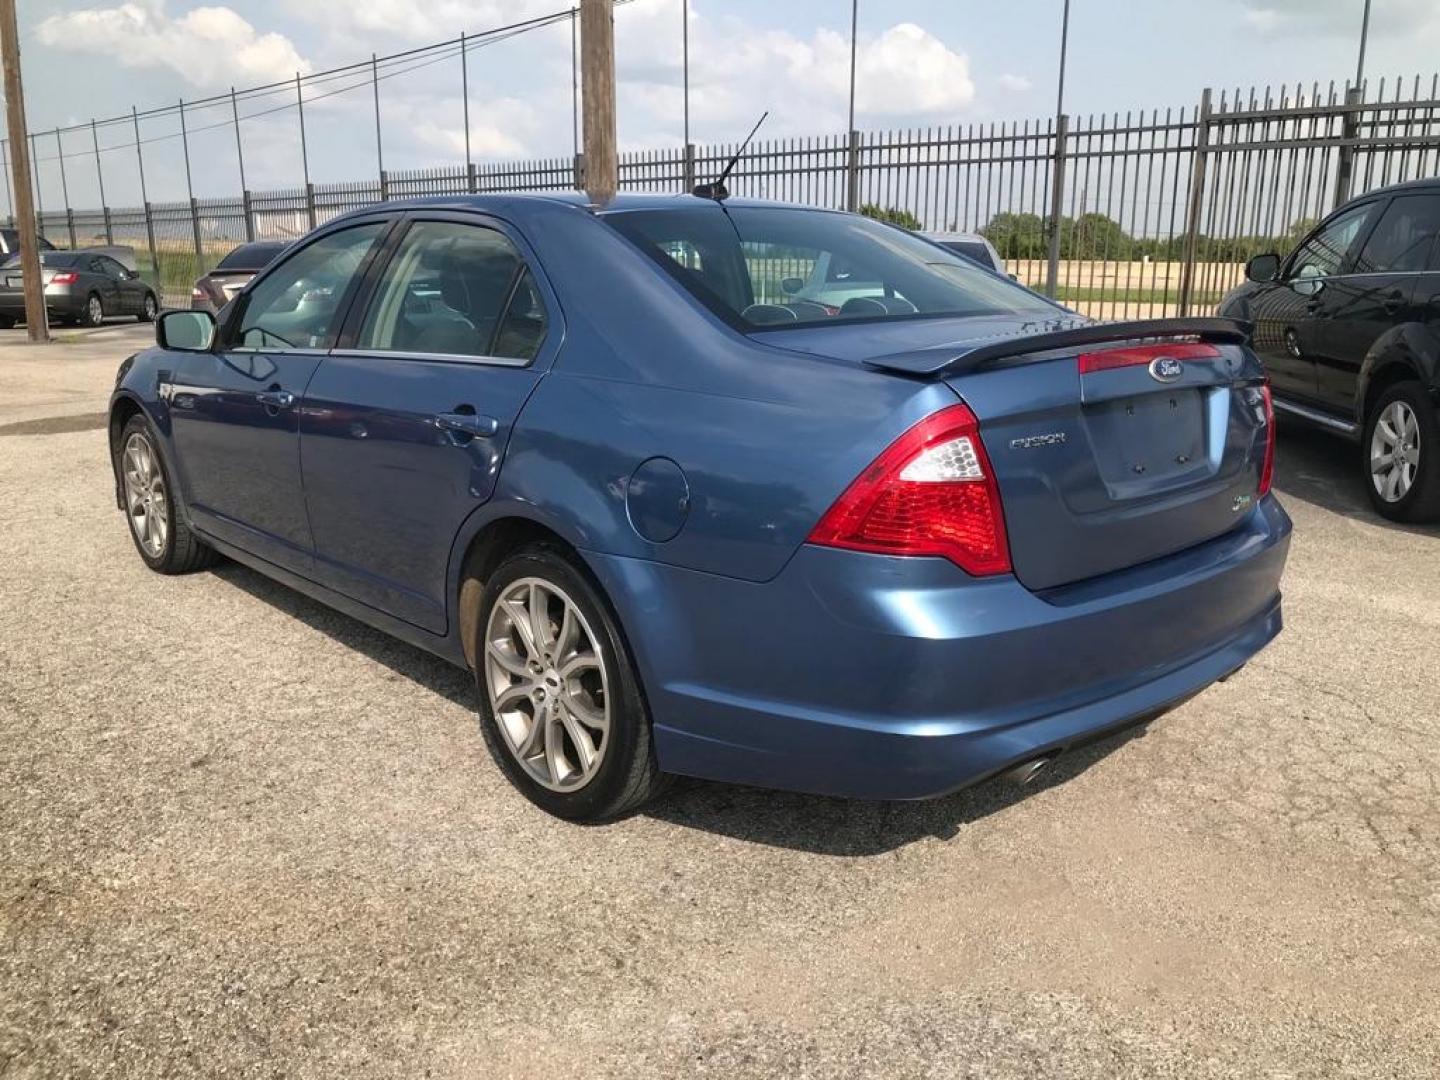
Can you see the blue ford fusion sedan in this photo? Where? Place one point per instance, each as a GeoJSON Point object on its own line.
{"type": "Point", "coordinates": [679, 519]}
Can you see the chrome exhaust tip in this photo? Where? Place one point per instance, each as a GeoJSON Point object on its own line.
{"type": "Point", "coordinates": [1026, 771]}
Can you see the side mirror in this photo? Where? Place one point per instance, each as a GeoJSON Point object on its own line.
{"type": "Point", "coordinates": [1263, 267]}
{"type": "Point", "coordinates": [187, 331]}
{"type": "Point", "coordinates": [791, 285]}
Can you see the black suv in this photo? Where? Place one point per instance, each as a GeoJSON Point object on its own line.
{"type": "Point", "coordinates": [1349, 329]}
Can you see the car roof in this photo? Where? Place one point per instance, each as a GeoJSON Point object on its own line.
{"type": "Point", "coordinates": [1429, 183]}
{"type": "Point", "coordinates": [526, 204]}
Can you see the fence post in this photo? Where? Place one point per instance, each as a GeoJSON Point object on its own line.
{"type": "Point", "coordinates": [689, 167]}
{"type": "Point", "coordinates": [579, 172]}
{"type": "Point", "coordinates": [1349, 132]}
{"type": "Point", "coordinates": [1197, 202]}
{"type": "Point", "coordinates": [384, 186]}
{"type": "Point", "coordinates": [195, 229]}
{"type": "Point", "coordinates": [70, 226]}
{"type": "Point", "coordinates": [1057, 194]}
{"type": "Point", "coordinates": [310, 202]}
{"type": "Point", "coordinates": [109, 227]}
{"type": "Point", "coordinates": [472, 180]}
{"type": "Point", "coordinates": [154, 256]}
{"type": "Point", "coordinates": [852, 172]}
{"type": "Point", "coordinates": [247, 207]}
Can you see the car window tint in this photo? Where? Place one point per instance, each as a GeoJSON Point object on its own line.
{"type": "Point", "coordinates": [523, 328]}
{"type": "Point", "coordinates": [442, 292]}
{"type": "Point", "coordinates": [1324, 253]}
{"type": "Point", "coordinates": [1403, 237]}
{"type": "Point", "coordinates": [772, 267]}
{"type": "Point", "coordinates": [297, 305]}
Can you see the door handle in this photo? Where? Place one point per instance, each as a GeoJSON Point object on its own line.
{"type": "Point", "coordinates": [1393, 302]}
{"type": "Point", "coordinates": [1312, 307]}
{"type": "Point", "coordinates": [275, 399]}
{"type": "Point", "coordinates": [468, 423]}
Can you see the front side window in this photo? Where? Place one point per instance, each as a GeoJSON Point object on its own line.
{"type": "Point", "coordinates": [297, 305]}
{"type": "Point", "coordinates": [454, 289]}
{"type": "Point", "coordinates": [1324, 253]}
{"type": "Point", "coordinates": [1403, 236]}
{"type": "Point", "coordinates": [764, 267]}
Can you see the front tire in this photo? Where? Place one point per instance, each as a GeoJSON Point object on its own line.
{"type": "Point", "coordinates": [150, 309]}
{"type": "Point", "coordinates": [561, 707]}
{"type": "Point", "coordinates": [161, 537]}
{"type": "Point", "coordinates": [1401, 447]}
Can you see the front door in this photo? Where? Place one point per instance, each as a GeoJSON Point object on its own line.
{"type": "Point", "coordinates": [1286, 312]}
{"type": "Point", "coordinates": [1374, 296]}
{"type": "Point", "coordinates": [405, 425]}
{"type": "Point", "coordinates": [235, 411]}
{"type": "Point", "coordinates": [128, 291]}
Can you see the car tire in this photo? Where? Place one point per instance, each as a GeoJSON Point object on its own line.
{"type": "Point", "coordinates": [149, 308]}
{"type": "Point", "coordinates": [94, 313]}
{"type": "Point", "coordinates": [1401, 454]}
{"type": "Point", "coordinates": [561, 706]}
{"type": "Point", "coordinates": [161, 535]}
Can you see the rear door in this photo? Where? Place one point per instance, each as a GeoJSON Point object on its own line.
{"type": "Point", "coordinates": [406, 423]}
{"type": "Point", "coordinates": [94, 278]}
{"type": "Point", "coordinates": [129, 292]}
{"type": "Point", "coordinates": [1113, 457]}
{"type": "Point", "coordinates": [235, 412]}
{"type": "Point", "coordinates": [1374, 294]}
{"type": "Point", "coordinates": [1285, 312]}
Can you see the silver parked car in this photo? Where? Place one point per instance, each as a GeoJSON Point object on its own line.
{"type": "Point", "coordinates": [83, 287]}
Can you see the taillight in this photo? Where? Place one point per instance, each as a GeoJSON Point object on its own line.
{"type": "Point", "coordinates": [1267, 470]}
{"type": "Point", "coordinates": [68, 277]}
{"type": "Point", "coordinates": [932, 492]}
{"type": "Point", "coordinates": [198, 293]}
{"type": "Point", "coordinates": [1143, 354]}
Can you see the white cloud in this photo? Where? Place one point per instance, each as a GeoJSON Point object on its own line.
{"type": "Point", "coordinates": [435, 20]}
{"type": "Point", "coordinates": [1338, 18]}
{"type": "Point", "coordinates": [210, 47]}
{"type": "Point", "coordinates": [1016, 84]}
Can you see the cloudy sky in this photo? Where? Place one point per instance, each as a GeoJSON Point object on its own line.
{"type": "Point", "coordinates": [921, 63]}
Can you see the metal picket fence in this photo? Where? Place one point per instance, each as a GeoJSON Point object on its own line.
{"type": "Point", "coordinates": [1145, 213]}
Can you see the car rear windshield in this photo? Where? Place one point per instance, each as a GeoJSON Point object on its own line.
{"type": "Point", "coordinates": [971, 249]}
{"type": "Point", "coordinates": [772, 267]}
{"type": "Point", "coordinates": [250, 257]}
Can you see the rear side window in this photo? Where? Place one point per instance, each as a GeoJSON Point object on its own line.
{"type": "Point", "coordinates": [1403, 238]}
{"type": "Point", "coordinates": [772, 267]}
{"type": "Point", "coordinates": [297, 305]}
{"type": "Point", "coordinates": [447, 290]}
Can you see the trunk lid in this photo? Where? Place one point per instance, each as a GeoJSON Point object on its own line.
{"type": "Point", "coordinates": [1104, 465]}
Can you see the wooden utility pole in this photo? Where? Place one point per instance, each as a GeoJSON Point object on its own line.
{"type": "Point", "coordinates": [597, 77]}
{"type": "Point", "coordinates": [20, 159]}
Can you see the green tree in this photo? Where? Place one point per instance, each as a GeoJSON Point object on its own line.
{"type": "Point", "coordinates": [1016, 236]}
{"type": "Point", "coordinates": [893, 215]}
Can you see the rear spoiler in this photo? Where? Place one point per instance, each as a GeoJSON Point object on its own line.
{"type": "Point", "coordinates": [970, 355]}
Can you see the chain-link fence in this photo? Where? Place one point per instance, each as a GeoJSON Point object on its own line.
{"type": "Point", "coordinates": [1147, 213]}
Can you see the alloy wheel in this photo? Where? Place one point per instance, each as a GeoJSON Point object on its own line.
{"type": "Point", "coordinates": [145, 495]}
{"type": "Point", "coordinates": [1395, 451]}
{"type": "Point", "coordinates": [149, 309]}
{"type": "Point", "coordinates": [545, 678]}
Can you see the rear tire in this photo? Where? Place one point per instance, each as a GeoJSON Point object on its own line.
{"type": "Point", "coordinates": [1400, 455]}
{"type": "Point", "coordinates": [561, 707]}
{"type": "Point", "coordinates": [161, 535]}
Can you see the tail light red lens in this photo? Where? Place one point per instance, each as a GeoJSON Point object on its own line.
{"type": "Point", "coordinates": [198, 293]}
{"type": "Point", "coordinates": [1107, 359]}
{"type": "Point", "coordinates": [932, 492]}
{"type": "Point", "coordinates": [68, 277]}
{"type": "Point", "coordinates": [1267, 470]}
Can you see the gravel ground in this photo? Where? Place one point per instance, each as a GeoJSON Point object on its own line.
{"type": "Point", "coordinates": [241, 835]}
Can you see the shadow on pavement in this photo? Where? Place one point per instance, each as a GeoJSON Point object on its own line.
{"type": "Point", "coordinates": [1326, 471]}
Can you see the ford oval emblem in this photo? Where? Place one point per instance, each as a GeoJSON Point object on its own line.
{"type": "Point", "coordinates": [1166, 369]}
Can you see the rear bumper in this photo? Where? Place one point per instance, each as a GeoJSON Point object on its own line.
{"type": "Point", "coordinates": [872, 677]}
{"type": "Point", "coordinates": [59, 301]}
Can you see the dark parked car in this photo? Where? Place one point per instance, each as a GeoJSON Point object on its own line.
{"type": "Point", "coordinates": [10, 242]}
{"type": "Point", "coordinates": [943, 531]}
{"type": "Point", "coordinates": [972, 246]}
{"type": "Point", "coordinates": [1348, 326]}
{"type": "Point", "coordinates": [217, 288]}
{"type": "Point", "coordinates": [82, 287]}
